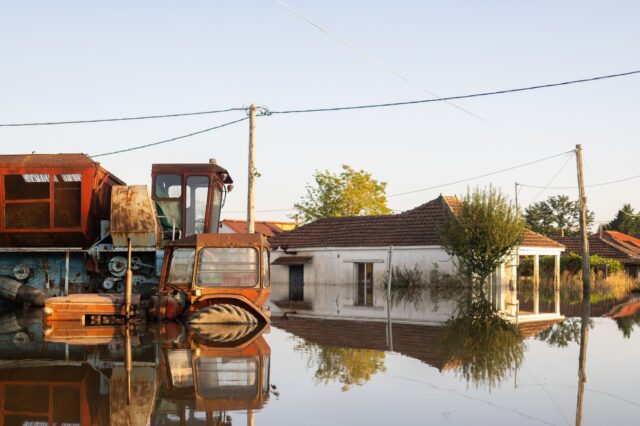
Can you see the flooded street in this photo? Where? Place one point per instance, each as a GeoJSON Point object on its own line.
{"type": "Point", "coordinates": [311, 371]}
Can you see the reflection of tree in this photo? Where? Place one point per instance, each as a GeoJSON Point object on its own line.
{"type": "Point", "coordinates": [563, 333]}
{"type": "Point", "coordinates": [626, 324]}
{"type": "Point", "coordinates": [482, 345]}
{"type": "Point", "coordinates": [344, 365]}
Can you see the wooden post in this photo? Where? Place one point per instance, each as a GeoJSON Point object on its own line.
{"type": "Point", "coordinates": [252, 171]}
{"type": "Point", "coordinates": [586, 260]}
{"type": "Point", "coordinates": [536, 284]}
{"type": "Point", "coordinates": [128, 283]}
{"type": "Point", "coordinates": [586, 289]}
{"type": "Point", "coordinates": [66, 273]}
{"type": "Point", "coordinates": [556, 284]}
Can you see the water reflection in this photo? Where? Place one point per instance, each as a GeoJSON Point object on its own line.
{"type": "Point", "coordinates": [161, 374]}
{"type": "Point", "coordinates": [485, 347]}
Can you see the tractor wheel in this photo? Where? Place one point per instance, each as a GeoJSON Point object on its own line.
{"type": "Point", "coordinates": [223, 333]}
{"type": "Point", "coordinates": [222, 313]}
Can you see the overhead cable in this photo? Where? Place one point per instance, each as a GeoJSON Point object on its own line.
{"type": "Point", "coordinates": [105, 120]}
{"type": "Point", "coordinates": [450, 98]}
{"type": "Point", "coordinates": [546, 187]}
{"type": "Point", "coordinates": [199, 132]}
{"type": "Point", "coordinates": [586, 186]}
{"type": "Point", "coordinates": [374, 60]}
{"type": "Point", "coordinates": [481, 176]}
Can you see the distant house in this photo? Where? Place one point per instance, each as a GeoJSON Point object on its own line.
{"type": "Point", "coordinates": [266, 228]}
{"type": "Point", "coordinates": [336, 266]}
{"type": "Point", "coordinates": [611, 244]}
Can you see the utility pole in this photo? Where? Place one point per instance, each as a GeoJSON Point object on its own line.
{"type": "Point", "coordinates": [586, 290]}
{"type": "Point", "coordinates": [586, 261]}
{"type": "Point", "coordinates": [252, 171]}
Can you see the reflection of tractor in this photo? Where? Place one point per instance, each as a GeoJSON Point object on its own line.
{"type": "Point", "coordinates": [212, 377]}
{"type": "Point", "coordinates": [68, 226]}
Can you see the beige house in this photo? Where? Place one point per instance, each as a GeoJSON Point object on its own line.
{"type": "Point", "coordinates": [335, 267]}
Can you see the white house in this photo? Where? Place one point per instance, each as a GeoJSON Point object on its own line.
{"type": "Point", "coordinates": [335, 267]}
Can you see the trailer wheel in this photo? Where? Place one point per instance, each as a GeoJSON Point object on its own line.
{"type": "Point", "coordinates": [223, 313]}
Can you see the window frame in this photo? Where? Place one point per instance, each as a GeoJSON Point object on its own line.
{"type": "Point", "coordinates": [182, 180]}
{"type": "Point", "coordinates": [193, 266]}
{"type": "Point", "coordinates": [51, 200]}
{"type": "Point", "coordinates": [258, 284]}
{"type": "Point", "coordinates": [358, 302]}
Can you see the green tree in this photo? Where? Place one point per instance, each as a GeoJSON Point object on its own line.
{"type": "Point", "coordinates": [349, 193]}
{"type": "Point", "coordinates": [483, 234]}
{"type": "Point", "coordinates": [626, 221]}
{"type": "Point", "coordinates": [557, 215]}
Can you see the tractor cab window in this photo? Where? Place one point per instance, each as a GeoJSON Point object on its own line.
{"type": "Point", "coordinates": [227, 267]}
{"type": "Point", "coordinates": [181, 269]}
{"type": "Point", "coordinates": [196, 205]}
{"type": "Point", "coordinates": [222, 377]}
{"type": "Point", "coordinates": [168, 186]}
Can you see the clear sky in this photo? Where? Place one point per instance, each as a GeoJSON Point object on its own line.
{"type": "Point", "coordinates": [69, 60]}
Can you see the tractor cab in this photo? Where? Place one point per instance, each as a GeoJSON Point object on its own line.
{"type": "Point", "coordinates": [188, 197]}
{"type": "Point", "coordinates": [216, 278]}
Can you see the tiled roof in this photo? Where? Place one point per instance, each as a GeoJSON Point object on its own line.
{"type": "Point", "coordinates": [611, 244]}
{"type": "Point", "coordinates": [266, 228]}
{"type": "Point", "coordinates": [415, 227]}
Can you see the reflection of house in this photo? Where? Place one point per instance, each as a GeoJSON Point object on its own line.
{"type": "Point", "coordinates": [421, 342]}
{"type": "Point", "coordinates": [266, 228]}
{"type": "Point", "coordinates": [610, 244]}
{"type": "Point", "coordinates": [337, 265]}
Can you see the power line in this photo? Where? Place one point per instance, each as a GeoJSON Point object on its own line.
{"type": "Point", "coordinates": [586, 186]}
{"type": "Point", "coordinates": [449, 98]}
{"type": "Point", "coordinates": [546, 187]}
{"type": "Point", "coordinates": [104, 120]}
{"type": "Point", "coordinates": [374, 60]}
{"type": "Point", "coordinates": [170, 140]}
{"type": "Point", "coordinates": [481, 176]}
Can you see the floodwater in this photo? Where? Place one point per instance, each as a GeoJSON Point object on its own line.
{"type": "Point", "coordinates": [307, 371]}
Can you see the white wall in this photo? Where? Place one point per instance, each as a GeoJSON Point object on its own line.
{"type": "Point", "coordinates": [330, 282]}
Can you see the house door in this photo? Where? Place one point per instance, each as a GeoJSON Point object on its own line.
{"type": "Point", "coordinates": [296, 283]}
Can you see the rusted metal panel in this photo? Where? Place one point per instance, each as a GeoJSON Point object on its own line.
{"type": "Point", "coordinates": [70, 193]}
{"type": "Point", "coordinates": [133, 216]}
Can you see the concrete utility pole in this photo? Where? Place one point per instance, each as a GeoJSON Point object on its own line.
{"type": "Point", "coordinates": [252, 171]}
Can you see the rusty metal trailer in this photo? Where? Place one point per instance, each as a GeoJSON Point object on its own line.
{"type": "Point", "coordinates": [65, 223]}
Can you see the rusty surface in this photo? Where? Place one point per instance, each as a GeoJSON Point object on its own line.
{"type": "Point", "coordinates": [199, 168]}
{"type": "Point", "coordinates": [252, 297]}
{"type": "Point", "coordinates": [133, 215]}
{"type": "Point", "coordinates": [82, 218]}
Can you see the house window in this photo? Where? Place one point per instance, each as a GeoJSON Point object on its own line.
{"type": "Point", "coordinates": [364, 284]}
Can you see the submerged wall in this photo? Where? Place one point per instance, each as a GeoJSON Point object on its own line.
{"type": "Point", "coordinates": [330, 282]}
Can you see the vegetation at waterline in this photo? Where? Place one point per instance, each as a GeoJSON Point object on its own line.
{"type": "Point", "coordinates": [556, 216]}
{"type": "Point", "coordinates": [482, 345]}
{"type": "Point", "coordinates": [347, 366]}
{"type": "Point", "coordinates": [349, 193]}
{"type": "Point", "coordinates": [407, 285]}
{"type": "Point", "coordinates": [571, 264]}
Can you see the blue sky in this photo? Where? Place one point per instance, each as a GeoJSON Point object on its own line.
{"type": "Point", "coordinates": [81, 60]}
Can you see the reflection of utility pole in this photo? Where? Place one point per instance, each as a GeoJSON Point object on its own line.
{"type": "Point", "coordinates": [586, 290]}
{"type": "Point", "coordinates": [389, 326]}
{"type": "Point", "coordinates": [252, 171]}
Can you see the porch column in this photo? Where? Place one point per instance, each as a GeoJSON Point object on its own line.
{"type": "Point", "coordinates": [536, 284]}
{"type": "Point", "coordinates": [556, 283]}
